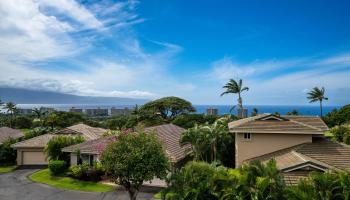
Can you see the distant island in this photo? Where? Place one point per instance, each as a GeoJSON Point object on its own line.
{"type": "Point", "coordinates": [25, 96]}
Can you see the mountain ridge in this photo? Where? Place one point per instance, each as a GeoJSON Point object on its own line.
{"type": "Point", "coordinates": [26, 96]}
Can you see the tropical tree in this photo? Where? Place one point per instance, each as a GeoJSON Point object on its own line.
{"type": "Point", "coordinates": [293, 112]}
{"type": "Point", "coordinates": [210, 142]}
{"type": "Point", "coordinates": [317, 94]}
{"type": "Point", "coordinates": [12, 109]}
{"type": "Point", "coordinates": [234, 87]}
{"type": "Point", "coordinates": [53, 149]}
{"type": "Point", "coordinates": [38, 113]}
{"type": "Point", "coordinates": [199, 142]}
{"type": "Point", "coordinates": [52, 120]}
{"type": "Point", "coordinates": [254, 112]}
{"type": "Point", "coordinates": [133, 159]}
{"type": "Point", "coordinates": [167, 108]}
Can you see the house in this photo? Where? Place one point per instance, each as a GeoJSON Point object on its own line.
{"type": "Point", "coordinates": [6, 133]}
{"type": "Point", "coordinates": [169, 134]}
{"type": "Point", "coordinates": [297, 143]}
{"type": "Point", "coordinates": [31, 151]}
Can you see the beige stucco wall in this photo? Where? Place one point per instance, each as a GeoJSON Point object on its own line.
{"type": "Point", "coordinates": [263, 143]}
{"type": "Point", "coordinates": [33, 156]}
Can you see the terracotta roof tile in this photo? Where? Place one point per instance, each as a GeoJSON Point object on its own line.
{"type": "Point", "coordinates": [35, 142]}
{"type": "Point", "coordinates": [6, 133]}
{"type": "Point", "coordinates": [95, 147]}
{"type": "Point", "coordinates": [88, 132]}
{"type": "Point", "coordinates": [170, 134]}
{"type": "Point", "coordinates": [279, 124]}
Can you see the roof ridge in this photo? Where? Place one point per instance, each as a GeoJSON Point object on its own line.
{"type": "Point", "coordinates": [280, 150]}
{"type": "Point", "coordinates": [307, 125]}
{"type": "Point", "coordinates": [33, 138]}
{"type": "Point", "coordinates": [320, 162]}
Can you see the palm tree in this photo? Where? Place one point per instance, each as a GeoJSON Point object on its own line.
{"type": "Point", "coordinates": [317, 94]}
{"type": "Point", "coordinates": [198, 140]}
{"type": "Point", "coordinates": [38, 112]}
{"type": "Point", "coordinates": [234, 87]}
{"type": "Point", "coordinates": [12, 109]}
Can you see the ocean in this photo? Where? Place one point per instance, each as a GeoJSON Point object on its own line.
{"type": "Point", "coordinates": [222, 109]}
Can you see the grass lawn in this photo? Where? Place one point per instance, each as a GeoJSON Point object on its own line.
{"type": "Point", "coordinates": [44, 176]}
{"type": "Point", "coordinates": [158, 195]}
{"type": "Point", "coordinates": [328, 134]}
{"type": "Point", "coordinates": [5, 169]}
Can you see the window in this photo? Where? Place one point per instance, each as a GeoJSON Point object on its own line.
{"type": "Point", "coordinates": [88, 159]}
{"type": "Point", "coordinates": [247, 136]}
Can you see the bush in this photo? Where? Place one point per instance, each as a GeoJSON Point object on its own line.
{"type": "Point", "coordinates": [200, 180]}
{"type": "Point", "coordinates": [8, 155]}
{"type": "Point", "coordinates": [57, 167]}
{"type": "Point", "coordinates": [189, 120]}
{"type": "Point", "coordinates": [54, 147]}
{"type": "Point", "coordinates": [338, 117]}
{"type": "Point", "coordinates": [341, 133]}
{"type": "Point", "coordinates": [23, 122]}
{"type": "Point", "coordinates": [36, 132]}
{"type": "Point", "coordinates": [87, 173]}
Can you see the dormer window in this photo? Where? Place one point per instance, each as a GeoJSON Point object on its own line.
{"type": "Point", "coordinates": [247, 136]}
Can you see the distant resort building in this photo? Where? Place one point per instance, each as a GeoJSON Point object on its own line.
{"type": "Point", "coordinates": [212, 111]}
{"type": "Point", "coordinates": [47, 110]}
{"type": "Point", "coordinates": [76, 110]}
{"type": "Point", "coordinates": [97, 112]}
{"type": "Point", "coordinates": [119, 111]}
{"type": "Point", "coordinates": [24, 111]}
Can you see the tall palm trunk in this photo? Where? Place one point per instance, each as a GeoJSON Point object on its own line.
{"type": "Point", "coordinates": [240, 103]}
{"type": "Point", "coordinates": [321, 107]}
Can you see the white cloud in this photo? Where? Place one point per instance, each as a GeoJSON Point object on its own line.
{"type": "Point", "coordinates": [74, 10]}
{"type": "Point", "coordinates": [283, 81]}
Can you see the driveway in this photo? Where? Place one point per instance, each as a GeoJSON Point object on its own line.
{"type": "Point", "coordinates": [15, 186]}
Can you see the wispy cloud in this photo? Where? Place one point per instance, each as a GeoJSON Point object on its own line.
{"type": "Point", "coordinates": [286, 81]}
{"type": "Point", "coordinates": [35, 32]}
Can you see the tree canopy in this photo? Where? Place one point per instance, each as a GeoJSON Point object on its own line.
{"type": "Point", "coordinates": [133, 159]}
{"type": "Point", "coordinates": [54, 147]}
{"type": "Point", "coordinates": [168, 107]}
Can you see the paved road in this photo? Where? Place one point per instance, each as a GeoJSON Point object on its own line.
{"type": "Point", "coordinates": [16, 186]}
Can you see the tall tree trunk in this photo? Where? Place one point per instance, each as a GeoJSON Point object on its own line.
{"type": "Point", "coordinates": [321, 107]}
{"type": "Point", "coordinates": [132, 193]}
{"type": "Point", "coordinates": [240, 103]}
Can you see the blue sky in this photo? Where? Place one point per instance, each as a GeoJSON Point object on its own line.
{"type": "Point", "coordinates": [149, 49]}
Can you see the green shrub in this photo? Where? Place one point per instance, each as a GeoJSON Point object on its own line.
{"type": "Point", "coordinates": [57, 167]}
{"type": "Point", "coordinates": [36, 132]}
{"type": "Point", "coordinates": [200, 180]}
{"type": "Point", "coordinates": [54, 147]}
{"type": "Point", "coordinates": [340, 132]}
{"type": "Point", "coordinates": [23, 122]}
{"type": "Point", "coordinates": [8, 155]}
{"type": "Point", "coordinates": [85, 172]}
{"type": "Point", "coordinates": [75, 171]}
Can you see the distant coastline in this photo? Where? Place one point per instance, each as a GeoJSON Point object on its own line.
{"type": "Point", "coordinates": [222, 109]}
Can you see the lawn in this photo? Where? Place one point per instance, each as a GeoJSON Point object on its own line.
{"type": "Point", "coordinates": [158, 195]}
{"type": "Point", "coordinates": [44, 176]}
{"type": "Point", "coordinates": [328, 134]}
{"type": "Point", "coordinates": [5, 169]}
